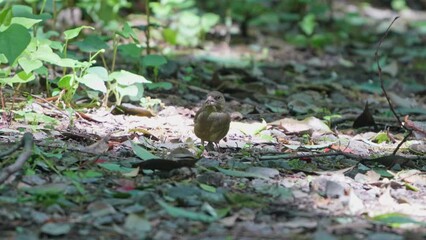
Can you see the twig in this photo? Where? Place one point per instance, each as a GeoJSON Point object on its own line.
{"type": "Point", "coordinates": [379, 70]}
{"type": "Point", "coordinates": [27, 142]}
{"type": "Point", "coordinates": [403, 140]}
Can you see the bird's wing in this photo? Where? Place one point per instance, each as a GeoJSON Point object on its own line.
{"type": "Point", "coordinates": [197, 114]}
{"type": "Point", "coordinates": [220, 125]}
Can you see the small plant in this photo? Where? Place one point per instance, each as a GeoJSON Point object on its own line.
{"type": "Point", "coordinates": [186, 26]}
{"type": "Point", "coordinates": [155, 62]}
{"type": "Point", "coordinates": [328, 119]}
{"type": "Point", "coordinates": [246, 150]}
{"type": "Point", "coordinates": [296, 164]}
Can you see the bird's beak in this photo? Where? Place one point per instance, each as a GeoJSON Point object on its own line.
{"type": "Point", "coordinates": [210, 100]}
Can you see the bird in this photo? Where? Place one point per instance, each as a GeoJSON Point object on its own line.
{"type": "Point", "coordinates": [211, 122]}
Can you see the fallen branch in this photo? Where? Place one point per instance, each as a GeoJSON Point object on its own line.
{"type": "Point", "coordinates": [27, 142]}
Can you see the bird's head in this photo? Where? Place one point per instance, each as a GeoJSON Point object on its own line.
{"type": "Point", "coordinates": [215, 99]}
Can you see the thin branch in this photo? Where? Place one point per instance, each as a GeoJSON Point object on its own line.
{"type": "Point", "coordinates": [379, 69]}
{"type": "Point", "coordinates": [403, 140]}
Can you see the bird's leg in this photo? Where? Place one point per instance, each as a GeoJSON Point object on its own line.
{"type": "Point", "coordinates": [217, 146]}
{"type": "Point", "coordinates": [210, 147]}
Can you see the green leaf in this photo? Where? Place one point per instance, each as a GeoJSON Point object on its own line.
{"type": "Point", "coordinates": [27, 12]}
{"type": "Point", "coordinates": [53, 188]}
{"type": "Point", "coordinates": [159, 85]}
{"type": "Point", "coordinates": [142, 153]}
{"type": "Point", "coordinates": [126, 78]}
{"type": "Point", "coordinates": [100, 71]}
{"type": "Point", "coordinates": [37, 118]}
{"type": "Point", "coordinates": [20, 77]}
{"type": "Point", "coordinates": [381, 137]}
{"type": "Point", "coordinates": [134, 91]}
{"type": "Point", "coordinates": [207, 188]}
{"type": "Point", "coordinates": [189, 19]}
{"type": "Point", "coordinates": [3, 58]}
{"type": "Point", "coordinates": [236, 173]}
{"type": "Point", "coordinates": [91, 43]}
{"type": "Point", "coordinates": [128, 32]}
{"type": "Point", "coordinates": [153, 60]}
{"type": "Point", "coordinates": [308, 24]}
{"type": "Point", "coordinates": [46, 54]}
{"type": "Point", "coordinates": [91, 174]}
{"type": "Point", "coordinates": [6, 16]}
{"type": "Point", "coordinates": [26, 22]}
{"type": "Point", "coordinates": [183, 213]}
{"type": "Point", "coordinates": [115, 167]}
{"type": "Point", "coordinates": [130, 51]}
{"type": "Point", "coordinates": [13, 41]}
{"type": "Point", "coordinates": [56, 45]}
{"type": "Point", "coordinates": [66, 82]}
{"type": "Point", "coordinates": [94, 82]}
{"type": "Point", "coordinates": [383, 172]}
{"type": "Point", "coordinates": [43, 71]}
{"type": "Point", "coordinates": [321, 40]}
{"type": "Point", "coordinates": [396, 219]}
{"type": "Point", "coordinates": [73, 33]}
{"type": "Point", "coordinates": [208, 20]}
{"type": "Point", "coordinates": [169, 36]}
{"type": "Point", "coordinates": [29, 64]}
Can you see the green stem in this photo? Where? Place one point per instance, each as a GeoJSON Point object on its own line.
{"type": "Point", "coordinates": [104, 62]}
{"type": "Point", "coordinates": [64, 51]}
{"type": "Point", "coordinates": [42, 7]}
{"type": "Point", "coordinates": [114, 55]}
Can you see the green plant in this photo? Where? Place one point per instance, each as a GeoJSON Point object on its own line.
{"type": "Point", "coordinates": [124, 83]}
{"type": "Point", "coordinates": [155, 62]}
{"type": "Point", "coordinates": [399, 4]}
{"type": "Point", "coordinates": [186, 26]}
{"type": "Point", "coordinates": [35, 53]}
{"type": "Point", "coordinates": [247, 149]}
{"type": "Point", "coordinates": [105, 12]}
{"type": "Point", "coordinates": [296, 164]}
{"type": "Point", "coordinates": [329, 118]}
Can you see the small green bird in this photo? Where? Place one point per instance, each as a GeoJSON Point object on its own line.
{"type": "Point", "coordinates": [211, 123]}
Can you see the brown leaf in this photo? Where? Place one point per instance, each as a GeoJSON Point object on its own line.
{"type": "Point", "coordinates": [135, 110]}
{"type": "Point", "coordinates": [418, 128]}
{"type": "Point", "coordinates": [98, 147]}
